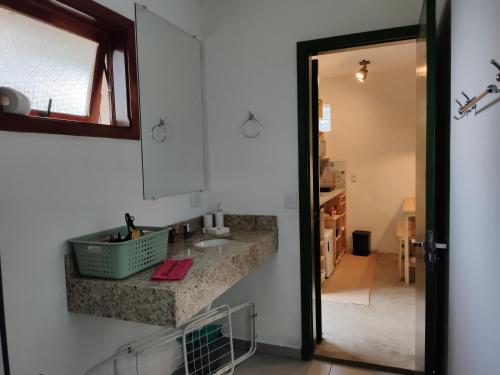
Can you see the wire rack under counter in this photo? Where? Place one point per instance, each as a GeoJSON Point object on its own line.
{"type": "Point", "coordinates": [206, 345]}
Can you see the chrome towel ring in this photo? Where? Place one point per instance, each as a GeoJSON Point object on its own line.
{"type": "Point", "coordinates": [252, 128]}
{"type": "Point", "coordinates": [159, 132]}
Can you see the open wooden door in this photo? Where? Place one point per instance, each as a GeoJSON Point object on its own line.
{"type": "Point", "coordinates": [309, 202]}
{"type": "Point", "coordinates": [432, 197]}
{"type": "Point", "coordinates": [316, 211]}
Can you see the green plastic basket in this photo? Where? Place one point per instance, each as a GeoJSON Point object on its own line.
{"type": "Point", "coordinates": [97, 258]}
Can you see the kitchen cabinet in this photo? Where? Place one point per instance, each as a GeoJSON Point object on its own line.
{"type": "Point", "coordinates": [333, 216]}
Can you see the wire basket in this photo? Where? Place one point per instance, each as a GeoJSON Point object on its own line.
{"type": "Point", "coordinates": [97, 258]}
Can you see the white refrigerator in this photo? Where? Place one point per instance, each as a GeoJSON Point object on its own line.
{"type": "Point", "coordinates": [328, 251]}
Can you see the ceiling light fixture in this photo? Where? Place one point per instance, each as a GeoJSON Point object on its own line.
{"type": "Point", "coordinates": [363, 72]}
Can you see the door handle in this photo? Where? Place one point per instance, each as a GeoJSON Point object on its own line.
{"type": "Point", "coordinates": [430, 251]}
{"type": "Point", "coordinates": [416, 243]}
{"type": "Point", "coordinates": [421, 243]}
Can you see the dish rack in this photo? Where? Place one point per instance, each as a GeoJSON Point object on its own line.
{"type": "Point", "coordinates": [203, 346]}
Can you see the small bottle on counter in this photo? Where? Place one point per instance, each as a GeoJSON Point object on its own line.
{"type": "Point", "coordinates": [187, 231]}
{"type": "Point", "coordinates": [171, 235]}
{"type": "Point", "coordinates": [208, 221]}
{"type": "Point", "coordinates": [219, 216]}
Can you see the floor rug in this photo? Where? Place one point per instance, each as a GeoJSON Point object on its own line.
{"type": "Point", "coordinates": [352, 280]}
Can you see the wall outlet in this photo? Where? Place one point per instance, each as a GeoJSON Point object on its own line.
{"type": "Point", "coordinates": [291, 201]}
{"type": "Point", "coordinates": [195, 200]}
{"type": "Point", "coordinates": [354, 177]}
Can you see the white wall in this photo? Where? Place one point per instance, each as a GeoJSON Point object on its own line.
{"type": "Point", "coordinates": [475, 204]}
{"type": "Point", "coordinates": [182, 13]}
{"type": "Point", "coordinates": [250, 56]}
{"type": "Point", "coordinates": [56, 187]}
{"type": "Point", "coordinates": [374, 128]}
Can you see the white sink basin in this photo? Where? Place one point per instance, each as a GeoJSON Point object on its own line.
{"type": "Point", "coordinates": [216, 242]}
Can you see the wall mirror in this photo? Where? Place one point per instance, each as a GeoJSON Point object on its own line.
{"type": "Point", "coordinates": [171, 105]}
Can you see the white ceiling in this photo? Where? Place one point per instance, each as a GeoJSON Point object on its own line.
{"type": "Point", "coordinates": [383, 57]}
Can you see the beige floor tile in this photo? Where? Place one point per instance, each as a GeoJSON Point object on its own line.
{"type": "Point", "coordinates": [382, 333]}
{"type": "Point", "coordinates": [272, 365]}
{"type": "Point", "coordinates": [344, 370]}
{"type": "Point", "coordinates": [262, 364]}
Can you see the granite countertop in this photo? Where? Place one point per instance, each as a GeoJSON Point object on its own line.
{"type": "Point", "coordinates": [171, 304]}
{"type": "Point", "coordinates": [324, 197]}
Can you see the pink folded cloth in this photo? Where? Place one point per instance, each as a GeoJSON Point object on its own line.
{"type": "Point", "coordinates": [172, 270]}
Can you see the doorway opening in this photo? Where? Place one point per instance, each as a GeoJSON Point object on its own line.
{"type": "Point", "coordinates": [430, 250]}
{"type": "Point", "coordinates": [431, 192]}
{"type": "Point", "coordinates": [367, 151]}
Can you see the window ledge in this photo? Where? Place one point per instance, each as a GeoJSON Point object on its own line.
{"type": "Point", "coordinates": [20, 123]}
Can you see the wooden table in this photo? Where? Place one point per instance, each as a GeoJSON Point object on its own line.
{"type": "Point", "coordinates": [408, 211]}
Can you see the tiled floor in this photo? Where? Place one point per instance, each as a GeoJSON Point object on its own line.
{"type": "Point", "coordinates": [262, 364]}
{"type": "Point", "coordinates": [382, 333]}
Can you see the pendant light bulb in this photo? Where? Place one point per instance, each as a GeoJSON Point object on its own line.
{"type": "Point", "coordinates": [363, 72]}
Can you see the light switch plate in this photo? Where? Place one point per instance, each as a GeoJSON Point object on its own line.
{"type": "Point", "coordinates": [354, 177]}
{"type": "Point", "coordinates": [195, 200]}
{"type": "Point", "coordinates": [291, 201]}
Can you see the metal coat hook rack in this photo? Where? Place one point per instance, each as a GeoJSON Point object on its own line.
{"type": "Point", "coordinates": [471, 103]}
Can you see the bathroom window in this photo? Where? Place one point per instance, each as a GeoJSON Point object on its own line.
{"type": "Point", "coordinates": [325, 123]}
{"type": "Point", "coordinates": [45, 62]}
{"type": "Point", "coordinates": [75, 61]}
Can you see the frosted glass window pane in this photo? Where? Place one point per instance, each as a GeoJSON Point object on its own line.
{"type": "Point", "coordinates": [325, 124]}
{"type": "Point", "coordinates": [45, 62]}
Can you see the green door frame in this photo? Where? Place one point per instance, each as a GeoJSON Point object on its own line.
{"type": "Point", "coordinates": [307, 210]}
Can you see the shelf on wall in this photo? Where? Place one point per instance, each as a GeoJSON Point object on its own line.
{"type": "Point", "coordinates": [334, 217]}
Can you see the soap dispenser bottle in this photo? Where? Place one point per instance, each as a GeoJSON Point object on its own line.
{"type": "Point", "coordinates": [219, 217]}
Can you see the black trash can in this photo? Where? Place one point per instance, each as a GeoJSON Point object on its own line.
{"type": "Point", "coordinates": [361, 242]}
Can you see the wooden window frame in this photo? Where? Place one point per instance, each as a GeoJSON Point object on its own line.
{"type": "Point", "coordinates": [115, 57]}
